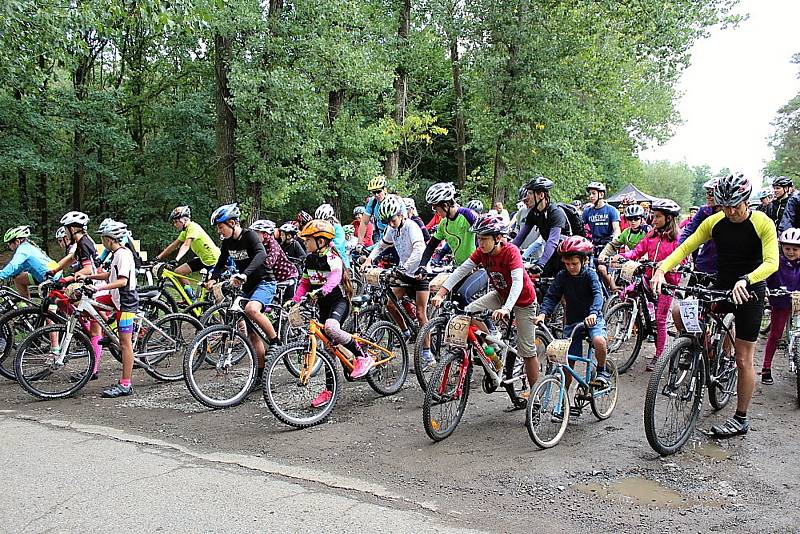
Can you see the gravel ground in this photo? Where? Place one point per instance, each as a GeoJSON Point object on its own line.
{"type": "Point", "coordinates": [489, 475]}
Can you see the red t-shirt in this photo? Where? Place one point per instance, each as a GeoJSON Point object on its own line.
{"type": "Point", "coordinates": [367, 242]}
{"type": "Point", "coordinates": [499, 268]}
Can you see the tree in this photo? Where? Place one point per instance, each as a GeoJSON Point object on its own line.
{"type": "Point", "coordinates": [786, 139]}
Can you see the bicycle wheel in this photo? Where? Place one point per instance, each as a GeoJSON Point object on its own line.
{"type": "Point", "coordinates": [294, 402]}
{"type": "Point", "coordinates": [435, 328]}
{"type": "Point", "coordinates": [165, 344]}
{"type": "Point", "coordinates": [623, 349]}
{"type": "Point", "coordinates": [162, 296]}
{"type": "Point", "coordinates": [215, 314]}
{"type": "Point", "coordinates": [38, 370]}
{"type": "Point", "coordinates": [446, 399]}
{"type": "Point", "coordinates": [722, 368]}
{"type": "Point", "coordinates": [547, 413]}
{"type": "Point", "coordinates": [604, 400]}
{"type": "Point", "coordinates": [796, 359]}
{"type": "Point", "coordinates": [361, 321]}
{"type": "Point", "coordinates": [610, 302]}
{"type": "Point", "coordinates": [387, 378]}
{"type": "Point", "coordinates": [674, 397]}
{"type": "Point", "coordinates": [198, 309]}
{"type": "Point", "coordinates": [15, 326]}
{"type": "Point", "coordinates": [220, 366]}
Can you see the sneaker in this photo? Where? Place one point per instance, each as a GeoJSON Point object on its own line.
{"type": "Point", "coordinates": [362, 367]}
{"type": "Point", "coordinates": [118, 390]}
{"type": "Point", "coordinates": [322, 399]}
{"type": "Point", "coordinates": [428, 361]}
{"type": "Point", "coordinates": [77, 376]}
{"type": "Point", "coordinates": [766, 377]}
{"type": "Point", "coordinates": [732, 427]}
{"type": "Point", "coordinates": [604, 377]}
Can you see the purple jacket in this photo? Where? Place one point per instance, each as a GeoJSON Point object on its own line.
{"type": "Point", "coordinates": [706, 260]}
{"type": "Point", "coordinates": [787, 276]}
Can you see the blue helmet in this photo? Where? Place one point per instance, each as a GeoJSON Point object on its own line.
{"type": "Point", "coordinates": [224, 213]}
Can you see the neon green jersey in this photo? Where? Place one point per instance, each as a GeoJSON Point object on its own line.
{"type": "Point", "coordinates": [202, 245]}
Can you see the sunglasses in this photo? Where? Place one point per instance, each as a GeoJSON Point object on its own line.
{"type": "Point", "coordinates": [631, 219]}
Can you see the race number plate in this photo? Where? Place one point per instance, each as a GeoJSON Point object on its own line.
{"type": "Point", "coordinates": [628, 270]}
{"type": "Point", "coordinates": [438, 282]}
{"type": "Point", "coordinates": [795, 303]}
{"type": "Point", "coordinates": [373, 276]}
{"type": "Point", "coordinates": [457, 331]}
{"type": "Point", "coordinates": [557, 351]}
{"type": "Point", "coordinates": [296, 319]}
{"type": "Point", "coordinates": [690, 315]}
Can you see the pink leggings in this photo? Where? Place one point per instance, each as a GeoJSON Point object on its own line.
{"type": "Point", "coordinates": [662, 311]}
{"type": "Point", "coordinates": [778, 319]}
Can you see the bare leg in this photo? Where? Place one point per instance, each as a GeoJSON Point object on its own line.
{"type": "Point", "coordinates": [745, 350]}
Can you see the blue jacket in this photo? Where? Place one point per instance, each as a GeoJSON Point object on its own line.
{"type": "Point", "coordinates": [582, 294]}
{"type": "Point", "coordinates": [790, 215]}
{"type": "Point", "coordinates": [28, 258]}
{"type": "Point", "coordinates": [340, 244]}
{"type": "Point", "coordinates": [787, 276]}
{"type": "Point", "coordinates": [706, 261]}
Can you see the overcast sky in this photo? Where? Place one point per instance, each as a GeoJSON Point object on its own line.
{"type": "Point", "coordinates": [737, 81]}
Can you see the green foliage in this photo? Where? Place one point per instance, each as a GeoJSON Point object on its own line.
{"type": "Point", "coordinates": [786, 139]}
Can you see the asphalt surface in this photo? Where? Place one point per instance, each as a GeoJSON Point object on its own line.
{"type": "Point", "coordinates": [158, 460]}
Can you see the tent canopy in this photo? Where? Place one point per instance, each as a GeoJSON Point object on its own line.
{"type": "Point", "coordinates": [628, 189]}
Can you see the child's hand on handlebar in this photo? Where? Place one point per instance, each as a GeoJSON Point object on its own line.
{"type": "Point", "coordinates": [591, 319]}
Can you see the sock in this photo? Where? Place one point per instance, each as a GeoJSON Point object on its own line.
{"type": "Point", "coordinates": [740, 415]}
{"type": "Point", "coordinates": [125, 382]}
{"type": "Point", "coordinates": [98, 350]}
{"type": "Point", "coordinates": [355, 348]}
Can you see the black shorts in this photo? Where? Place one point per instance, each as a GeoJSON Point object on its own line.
{"type": "Point", "coordinates": [195, 264]}
{"type": "Point", "coordinates": [335, 308]}
{"type": "Point", "coordinates": [747, 316]}
{"type": "Point", "coordinates": [411, 284]}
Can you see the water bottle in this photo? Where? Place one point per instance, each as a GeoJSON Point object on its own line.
{"type": "Point", "coordinates": [411, 308]}
{"type": "Point", "coordinates": [189, 291]}
{"type": "Point", "coordinates": [492, 355]}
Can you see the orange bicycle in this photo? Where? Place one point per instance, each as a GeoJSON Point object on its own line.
{"type": "Point", "coordinates": [296, 374]}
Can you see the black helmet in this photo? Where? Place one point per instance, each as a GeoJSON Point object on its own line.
{"type": "Point", "coordinates": [539, 183]}
{"type": "Point", "coordinates": [782, 181]}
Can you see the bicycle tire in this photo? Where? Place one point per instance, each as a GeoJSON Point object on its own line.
{"type": "Point", "coordinates": [610, 302]}
{"type": "Point", "coordinates": [163, 296]}
{"type": "Point", "coordinates": [603, 412]}
{"type": "Point", "coordinates": [388, 378]}
{"type": "Point", "coordinates": [623, 354]}
{"type": "Point", "coordinates": [197, 364]}
{"type": "Point", "coordinates": [435, 328]}
{"type": "Point", "coordinates": [32, 379]}
{"type": "Point", "coordinates": [718, 397]}
{"type": "Point", "coordinates": [671, 368]}
{"type": "Point", "coordinates": [796, 358]}
{"type": "Point", "coordinates": [215, 314]}
{"type": "Point", "coordinates": [449, 367]}
{"type": "Point", "coordinates": [548, 402]}
{"type": "Point", "coordinates": [361, 322]}
{"type": "Point", "coordinates": [198, 309]}
{"type": "Point", "coordinates": [182, 329]}
{"type": "Point", "coordinates": [13, 320]}
{"type": "Point", "coordinates": [281, 389]}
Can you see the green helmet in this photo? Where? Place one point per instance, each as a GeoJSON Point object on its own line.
{"type": "Point", "coordinates": [18, 232]}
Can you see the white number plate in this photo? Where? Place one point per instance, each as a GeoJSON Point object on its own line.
{"type": "Point", "coordinates": [457, 331]}
{"type": "Point", "coordinates": [690, 312]}
{"type": "Point", "coordinates": [296, 319]}
{"type": "Point", "coordinates": [373, 276]}
{"type": "Point", "coordinates": [628, 270]}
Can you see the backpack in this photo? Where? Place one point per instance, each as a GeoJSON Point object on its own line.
{"type": "Point", "coordinates": [574, 218]}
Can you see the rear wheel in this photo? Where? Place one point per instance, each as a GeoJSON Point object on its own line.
{"type": "Point", "coordinates": [446, 398]}
{"type": "Point", "coordinates": [387, 378]}
{"type": "Point", "coordinates": [165, 344]}
{"type": "Point", "coordinates": [604, 399]}
{"type": "Point", "coordinates": [360, 321]}
{"type": "Point", "coordinates": [161, 295]}
{"type": "Point", "coordinates": [624, 348]}
{"type": "Point", "coordinates": [423, 370]}
{"type": "Point", "coordinates": [547, 413]}
{"type": "Point", "coordinates": [15, 326]}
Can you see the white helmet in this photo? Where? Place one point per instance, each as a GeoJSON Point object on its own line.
{"type": "Point", "coordinates": [441, 192]}
{"type": "Point", "coordinates": [75, 218]}
{"type": "Point", "coordinates": [61, 232]}
{"type": "Point", "coordinates": [263, 225]}
{"type": "Point", "coordinates": [392, 205]}
{"type": "Point", "coordinates": [410, 204]}
{"type": "Point", "coordinates": [790, 236]}
{"type": "Point", "coordinates": [666, 206]}
{"type": "Point", "coordinates": [475, 205]}
{"type": "Point", "coordinates": [289, 228]}
{"type": "Point", "coordinates": [324, 212]}
{"type": "Point", "coordinates": [103, 224]}
{"type": "Point", "coordinates": [114, 229]}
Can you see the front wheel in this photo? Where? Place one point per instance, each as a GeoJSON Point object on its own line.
{"type": "Point", "coordinates": [47, 369]}
{"type": "Point", "coordinates": [424, 369]}
{"type": "Point", "coordinates": [604, 399]}
{"type": "Point", "coordinates": [220, 366]}
{"type": "Point", "coordinates": [446, 398]}
{"type": "Point", "coordinates": [165, 344]}
{"type": "Point", "coordinates": [391, 370]}
{"type": "Point", "coordinates": [674, 397]}
{"type": "Point", "coordinates": [295, 401]}
{"type": "Point", "coordinates": [722, 369]}
{"type": "Point", "coordinates": [547, 412]}
{"type": "Point", "coordinates": [15, 326]}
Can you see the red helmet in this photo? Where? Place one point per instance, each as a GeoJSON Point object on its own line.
{"type": "Point", "coordinates": [303, 218]}
{"type": "Point", "coordinates": [576, 245]}
{"type": "Point", "coordinates": [490, 225]}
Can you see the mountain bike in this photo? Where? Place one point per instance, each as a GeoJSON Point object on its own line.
{"type": "Point", "coordinates": [793, 328]}
{"type": "Point", "coordinates": [171, 289]}
{"type": "Point", "coordinates": [449, 385]}
{"type": "Point", "coordinates": [548, 410]}
{"type": "Point", "coordinates": [57, 360]}
{"type": "Point", "coordinates": [696, 360]}
{"type": "Point", "coordinates": [296, 375]}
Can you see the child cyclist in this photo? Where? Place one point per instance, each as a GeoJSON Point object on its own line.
{"type": "Point", "coordinates": [406, 237]}
{"type": "Point", "coordinates": [121, 279]}
{"type": "Point", "coordinates": [579, 285]}
{"type": "Point", "coordinates": [283, 269]}
{"type": "Point", "coordinates": [634, 232]}
{"type": "Point", "coordinates": [255, 277]}
{"type": "Point", "coordinates": [512, 288]}
{"type": "Point", "coordinates": [325, 277]}
{"type": "Point", "coordinates": [29, 264]}
{"type": "Point", "coordinates": [657, 245]}
{"type": "Point", "coordinates": [787, 277]}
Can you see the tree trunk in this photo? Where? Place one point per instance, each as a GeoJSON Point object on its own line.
{"type": "Point", "coordinates": [79, 169]}
{"type": "Point", "coordinates": [42, 208]}
{"type": "Point", "coordinates": [226, 121]}
{"type": "Point", "coordinates": [499, 168]}
{"type": "Point", "coordinates": [335, 100]}
{"type": "Point", "coordinates": [461, 156]}
{"type": "Point", "coordinates": [392, 166]}
{"type": "Point", "coordinates": [22, 190]}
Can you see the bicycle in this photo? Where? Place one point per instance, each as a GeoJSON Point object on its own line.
{"type": "Point", "coordinates": [793, 333]}
{"type": "Point", "coordinates": [696, 360]}
{"type": "Point", "coordinates": [548, 404]}
{"type": "Point", "coordinates": [170, 288]}
{"type": "Point", "coordinates": [296, 374]}
{"type": "Point", "coordinates": [449, 385]}
{"type": "Point", "coordinates": [47, 373]}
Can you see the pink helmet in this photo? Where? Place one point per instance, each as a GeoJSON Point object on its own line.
{"type": "Point", "coordinates": [491, 224]}
{"type": "Point", "coordinates": [576, 245]}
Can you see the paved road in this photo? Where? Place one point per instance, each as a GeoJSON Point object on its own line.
{"type": "Point", "coordinates": [488, 475]}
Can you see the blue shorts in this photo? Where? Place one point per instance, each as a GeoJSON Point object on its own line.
{"type": "Point", "coordinates": [599, 329]}
{"type": "Point", "coordinates": [263, 293]}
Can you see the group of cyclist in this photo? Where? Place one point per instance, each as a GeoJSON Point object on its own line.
{"type": "Point", "coordinates": [578, 249]}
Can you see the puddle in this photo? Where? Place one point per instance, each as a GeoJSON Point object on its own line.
{"type": "Point", "coordinates": [640, 491]}
{"type": "Point", "coordinates": [710, 450]}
